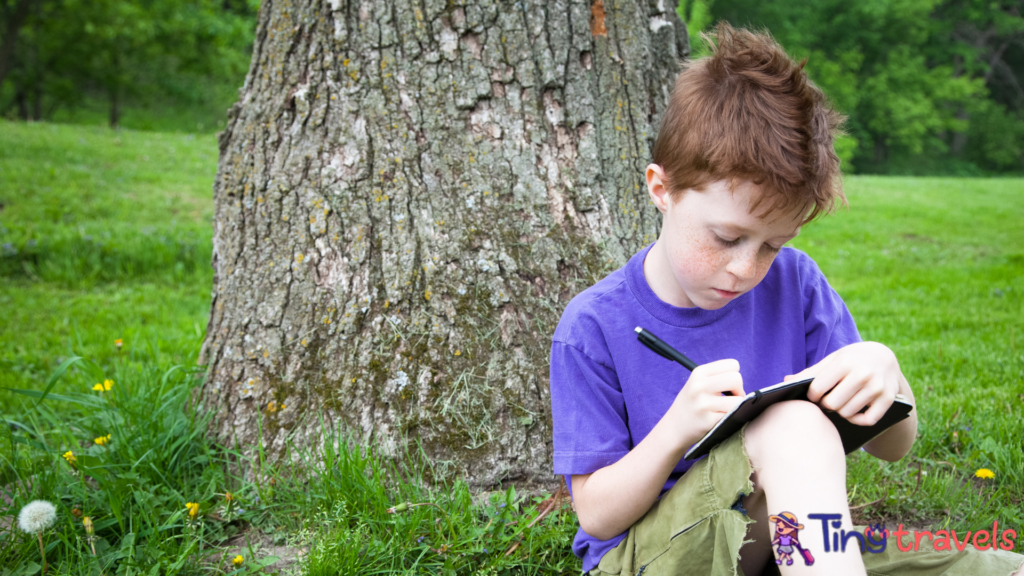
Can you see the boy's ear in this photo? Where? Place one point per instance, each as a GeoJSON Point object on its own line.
{"type": "Point", "coordinates": [656, 187]}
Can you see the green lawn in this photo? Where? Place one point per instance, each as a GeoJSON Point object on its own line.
{"type": "Point", "coordinates": [106, 235]}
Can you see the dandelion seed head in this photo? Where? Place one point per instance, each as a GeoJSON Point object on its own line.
{"type": "Point", "coordinates": [37, 516]}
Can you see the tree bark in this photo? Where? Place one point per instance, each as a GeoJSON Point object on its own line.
{"type": "Point", "coordinates": [408, 194]}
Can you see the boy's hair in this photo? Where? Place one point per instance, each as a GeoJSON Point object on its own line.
{"type": "Point", "coordinates": [748, 111]}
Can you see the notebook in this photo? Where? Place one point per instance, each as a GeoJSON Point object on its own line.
{"type": "Point", "coordinates": [753, 404]}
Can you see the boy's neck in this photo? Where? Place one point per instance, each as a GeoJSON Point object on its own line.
{"type": "Point", "coordinates": [658, 274]}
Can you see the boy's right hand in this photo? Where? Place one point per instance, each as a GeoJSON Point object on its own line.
{"type": "Point", "coordinates": [700, 404]}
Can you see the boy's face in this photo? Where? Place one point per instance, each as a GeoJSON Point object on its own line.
{"type": "Point", "coordinates": [712, 249]}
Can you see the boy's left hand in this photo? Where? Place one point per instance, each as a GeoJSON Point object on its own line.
{"type": "Point", "coordinates": [861, 374]}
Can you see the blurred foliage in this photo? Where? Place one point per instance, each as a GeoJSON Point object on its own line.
{"type": "Point", "coordinates": [929, 86]}
{"type": "Point", "coordinates": [59, 55]}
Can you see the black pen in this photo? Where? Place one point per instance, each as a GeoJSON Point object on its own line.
{"type": "Point", "coordinates": [662, 349]}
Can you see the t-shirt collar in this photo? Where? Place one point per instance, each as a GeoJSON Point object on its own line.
{"type": "Point", "coordinates": [661, 310]}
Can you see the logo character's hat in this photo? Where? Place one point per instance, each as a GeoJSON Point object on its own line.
{"type": "Point", "coordinates": [789, 518]}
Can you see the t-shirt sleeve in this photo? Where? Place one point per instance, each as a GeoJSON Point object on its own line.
{"type": "Point", "coordinates": [588, 412]}
{"type": "Point", "coordinates": [828, 323]}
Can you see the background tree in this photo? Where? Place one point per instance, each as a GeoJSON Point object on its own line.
{"type": "Point", "coordinates": [65, 52]}
{"type": "Point", "coordinates": [910, 74]}
{"type": "Point", "coordinates": [408, 194]}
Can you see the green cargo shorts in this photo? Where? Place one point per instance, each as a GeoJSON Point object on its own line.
{"type": "Point", "coordinates": [698, 527]}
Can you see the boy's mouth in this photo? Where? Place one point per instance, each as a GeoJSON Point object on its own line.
{"type": "Point", "coordinates": [726, 293]}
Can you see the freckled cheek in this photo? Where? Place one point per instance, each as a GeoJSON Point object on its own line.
{"type": "Point", "coordinates": [697, 258]}
{"type": "Point", "coordinates": [764, 262]}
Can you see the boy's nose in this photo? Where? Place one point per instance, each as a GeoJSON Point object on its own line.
{"type": "Point", "coordinates": [744, 265]}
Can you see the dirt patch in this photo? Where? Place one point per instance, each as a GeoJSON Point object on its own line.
{"type": "Point", "coordinates": [289, 558]}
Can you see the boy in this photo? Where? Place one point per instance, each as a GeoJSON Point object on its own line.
{"type": "Point", "coordinates": [743, 159]}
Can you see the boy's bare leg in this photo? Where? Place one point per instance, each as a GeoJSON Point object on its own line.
{"type": "Point", "coordinates": [800, 467]}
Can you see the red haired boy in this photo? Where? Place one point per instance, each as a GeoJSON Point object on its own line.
{"type": "Point", "coordinates": [745, 156]}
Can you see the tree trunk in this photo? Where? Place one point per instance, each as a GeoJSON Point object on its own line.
{"type": "Point", "coordinates": [407, 196]}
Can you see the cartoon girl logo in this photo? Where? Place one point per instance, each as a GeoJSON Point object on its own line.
{"type": "Point", "coordinates": [786, 540]}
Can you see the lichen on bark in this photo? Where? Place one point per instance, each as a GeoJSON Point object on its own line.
{"type": "Point", "coordinates": [407, 196]}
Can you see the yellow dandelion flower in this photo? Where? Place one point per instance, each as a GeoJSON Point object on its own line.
{"type": "Point", "coordinates": [69, 457]}
{"type": "Point", "coordinates": [102, 440]}
{"type": "Point", "coordinates": [237, 561]}
{"type": "Point", "coordinates": [193, 509]}
{"type": "Point", "coordinates": [108, 384]}
{"type": "Point", "coordinates": [98, 387]}
{"type": "Point", "coordinates": [228, 496]}
{"type": "Point", "coordinates": [984, 473]}
{"type": "Point", "coordinates": [118, 343]}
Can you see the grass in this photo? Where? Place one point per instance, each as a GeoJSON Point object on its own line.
{"type": "Point", "coordinates": [934, 268]}
{"type": "Point", "coordinates": [133, 458]}
{"type": "Point", "coordinates": [106, 235]}
{"type": "Point", "coordinates": [103, 235]}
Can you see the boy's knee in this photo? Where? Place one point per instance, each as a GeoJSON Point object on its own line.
{"type": "Point", "coordinates": [797, 427]}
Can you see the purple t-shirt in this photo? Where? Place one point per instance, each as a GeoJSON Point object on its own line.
{"type": "Point", "coordinates": [608, 390]}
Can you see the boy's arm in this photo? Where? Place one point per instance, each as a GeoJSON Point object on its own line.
{"type": "Point", "coordinates": [613, 498]}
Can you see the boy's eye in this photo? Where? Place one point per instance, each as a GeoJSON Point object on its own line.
{"type": "Point", "coordinates": [771, 248]}
{"type": "Point", "coordinates": [725, 242]}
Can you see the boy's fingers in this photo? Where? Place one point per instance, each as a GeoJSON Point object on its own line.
{"type": "Point", "coordinates": [827, 377]}
{"type": "Point", "coordinates": [859, 401]}
{"type": "Point", "coordinates": [848, 386]}
{"type": "Point", "coordinates": [874, 413]}
{"type": "Point", "coordinates": [724, 404]}
{"type": "Point", "coordinates": [717, 367]}
{"type": "Point", "coordinates": [724, 382]}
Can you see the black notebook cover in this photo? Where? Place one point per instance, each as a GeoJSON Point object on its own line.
{"type": "Point", "coordinates": [753, 404]}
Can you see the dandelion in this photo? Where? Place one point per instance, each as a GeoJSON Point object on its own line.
{"type": "Point", "coordinates": [229, 507]}
{"type": "Point", "coordinates": [89, 534]}
{"type": "Point", "coordinates": [118, 343]}
{"type": "Point", "coordinates": [984, 474]}
{"type": "Point", "coordinates": [104, 387]}
{"type": "Point", "coordinates": [237, 561]}
{"type": "Point", "coordinates": [102, 440]}
{"type": "Point", "coordinates": [35, 517]}
{"type": "Point", "coordinates": [192, 515]}
{"type": "Point", "coordinates": [70, 457]}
